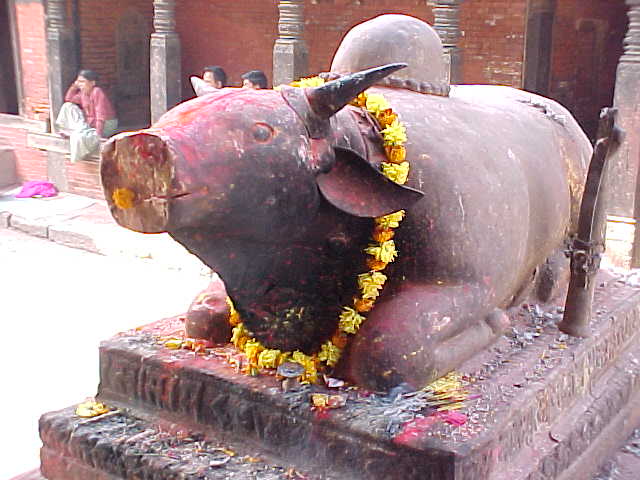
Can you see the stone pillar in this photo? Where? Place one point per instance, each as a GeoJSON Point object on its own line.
{"type": "Point", "coordinates": [290, 56]}
{"type": "Point", "coordinates": [447, 24]}
{"type": "Point", "coordinates": [62, 60]}
{"type": "Point", "coordinates": [165, 66]}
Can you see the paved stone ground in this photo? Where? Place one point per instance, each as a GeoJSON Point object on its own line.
{"type": "Point", "coordinates": [57, 304]}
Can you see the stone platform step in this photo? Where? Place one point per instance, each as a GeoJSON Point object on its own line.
{"type": "Point", "coordinates": [542, 406]}
{"type": "Point", "coordinates": [119, 446]}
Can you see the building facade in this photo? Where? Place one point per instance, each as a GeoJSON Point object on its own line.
{"type": "Point", "coordinates": [145, 50]}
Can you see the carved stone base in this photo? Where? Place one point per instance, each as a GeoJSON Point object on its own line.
{"type": "Point", "coordinates": [542, 406]}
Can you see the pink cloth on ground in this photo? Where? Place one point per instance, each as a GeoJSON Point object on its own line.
{"type": "Point", "coordinates": [37, 188]}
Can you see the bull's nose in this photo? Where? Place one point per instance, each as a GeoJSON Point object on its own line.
{"type": "Point", "coordinates": [136, 171]}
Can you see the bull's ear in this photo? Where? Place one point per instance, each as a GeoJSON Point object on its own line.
{"type": "Point", "coordinates": [357, 188]}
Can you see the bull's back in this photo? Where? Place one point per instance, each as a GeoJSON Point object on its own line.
{"type": "Point", "coordinates": [502, 175]}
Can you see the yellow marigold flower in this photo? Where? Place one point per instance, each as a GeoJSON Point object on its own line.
{"type": "Point", "coordinates": [283, 357]}
{"type": "Point", "coordinates": [350, 320]}
{"type": "Point", "coordinates": [310, 374]}
{"type": "Point", "coordinates": [385, 252]}
{"type": "Point", "coordinates": [234, 316]}
{"type": "Point", "coordinates": [370, 283]}
{"type": "Point", "coordinates": [268, 358]}
{"type": "Point", "coordinates": [392, 220]}
{"type": "Point", "coordinates": [173, 343]}
{"type": "Point", "coordinates": [329, 353]}
{"type": "Point", "coordinates": [91, 408]}
{"type": "Point", "coordinates": [396, 153]}
{"type": "Point", "coordinates": [394, 134]}
{"type": "Point", "coordinates": [396, 172]}
{"type": "Point", "coordinates": [386, 117]}
{"type": "Point", "coordinates": [239, 336]}
{"type": "Point", "coordinates": [252, 349]}
{"type": "Point", "coordinates": [123, 198]}
{"type": "Point", "coordinates": [308, 82]}
{"type": "Point", "coordinates": [376, 103]}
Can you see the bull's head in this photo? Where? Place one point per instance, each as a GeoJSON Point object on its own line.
{"type": "Point", "coordinates": [254, 156]}
{"type": "Point", "coordinates": [247, 165]}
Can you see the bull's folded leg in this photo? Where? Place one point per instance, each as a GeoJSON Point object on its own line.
{"type": "Point", "coordinates": [420, 333]}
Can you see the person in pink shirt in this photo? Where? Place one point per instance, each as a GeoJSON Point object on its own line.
{"type": "Point", "coordinates": [86, 116]}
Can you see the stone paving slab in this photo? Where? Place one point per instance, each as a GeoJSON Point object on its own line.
{"type": "Point", "coordinates": [86, 223]}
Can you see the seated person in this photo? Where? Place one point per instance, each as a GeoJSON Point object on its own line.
{"type": "Point", "coordinates": [86, 115]}
{"type": "Point", "coordinates": [255, 79]}
{"type": "Point", "coordinates": [213, 78]}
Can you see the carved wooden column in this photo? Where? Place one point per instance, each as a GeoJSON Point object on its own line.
{"type": "Point", "coordinates": [165, 82]}
{"type": "Point", "coordinates": [62, 61]}
{"type": "Point", "coordinates": [624, 190]}
{"type": "Point", "coordinates": [447, 24]}
{"type": "Point", "coordinates": [290, 56]}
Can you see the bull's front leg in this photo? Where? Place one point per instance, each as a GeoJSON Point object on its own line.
{"type": "Point", "coordinates": [421, 332]}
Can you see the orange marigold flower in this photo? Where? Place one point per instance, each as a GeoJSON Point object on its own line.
{"type": "Point", "coordinates": [381, 234]}
{"type": "Point", "coordinates": [123, 198]}
{"type": "Point", "coordinates": [376, 265]}
{"type": "Point", "coordinates": [396, 153]}
{"type": "Point", "coordinates": [386, 117]}
{"type": "Point", "coordinates": [363, 305]}
{"type": "Point", "coordinates": [340, 340]}
{"type": "Point", "coordinates": [360, 100]}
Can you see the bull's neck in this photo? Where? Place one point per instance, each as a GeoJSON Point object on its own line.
{"type": "Point", "coordinates": [330, 247]}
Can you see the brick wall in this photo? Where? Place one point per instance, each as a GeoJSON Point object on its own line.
{"type": "Point", "coordinates": [587, 43]}
{"type": "Point", "coordinates": [31, 163]}
{"type": "Point", "coordinates": [84, 179]}
{"type": "Point", "coordinates": [327, 21]}
{"type": "Point", "coordinates": [493, 41]}
{"type": "Point", "coordinates": [238, 36]}
{"type": "Point", "coordinates": [33, 58]}
{"type": "Point", "coordinates": [98, 21]}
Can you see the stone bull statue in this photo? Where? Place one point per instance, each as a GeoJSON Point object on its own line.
{"type": "Point", "coordinates": [277, 191]}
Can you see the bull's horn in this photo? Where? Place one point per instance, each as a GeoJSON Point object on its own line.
{"type": "Point", "coordinates": [329, 98]}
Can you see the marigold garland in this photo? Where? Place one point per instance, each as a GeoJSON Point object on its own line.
{"type": "Point", "coordinates": [381, 252]}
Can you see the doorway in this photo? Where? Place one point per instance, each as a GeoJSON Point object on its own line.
{"type": "Point", "coordinates": [8, 90]}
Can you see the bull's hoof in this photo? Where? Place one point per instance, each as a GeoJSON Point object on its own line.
{"type": "Point", "coordinates": [208, 315]}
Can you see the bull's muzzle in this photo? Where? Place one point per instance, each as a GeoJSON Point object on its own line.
{"type": "Point", "coordinates": [137, 172]}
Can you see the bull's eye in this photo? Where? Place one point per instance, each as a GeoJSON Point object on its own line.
{"type": "Point", "coordinates": [262, 132]}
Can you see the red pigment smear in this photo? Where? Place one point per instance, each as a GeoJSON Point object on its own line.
{"type": "Point", "coordinates": [414, 430]}
{"type": "Point", "coordinates": [453, 418]}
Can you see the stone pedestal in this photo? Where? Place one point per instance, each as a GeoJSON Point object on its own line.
{"type": "Point", "coordinates": [541, 406]}
{"type": "Point", "coordinates": [290, 56]}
